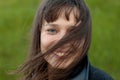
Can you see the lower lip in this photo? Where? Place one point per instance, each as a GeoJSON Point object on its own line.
{"type": "Point", "coordinates": [59, 57]}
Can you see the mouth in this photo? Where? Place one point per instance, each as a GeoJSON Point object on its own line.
{"type": "Point", "coordinates": [61, 53]}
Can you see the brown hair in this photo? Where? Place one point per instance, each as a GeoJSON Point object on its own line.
{"type": "Point", "coordinates": [35, 67]}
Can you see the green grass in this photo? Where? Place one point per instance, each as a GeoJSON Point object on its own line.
{"type": "Point", "coordinates": [16, 17]}
{"type": "Point", "coordinates": [104, 51]}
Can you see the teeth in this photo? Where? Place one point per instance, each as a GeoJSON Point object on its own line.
{"type": "Point", "coordinates": [59, 54]}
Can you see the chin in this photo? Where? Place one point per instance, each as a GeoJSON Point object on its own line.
{"type": "Point", "coordinates": [58, 67]}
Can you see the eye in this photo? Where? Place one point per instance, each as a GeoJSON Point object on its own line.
{"type": "Point", "coordinates": [51, 31]}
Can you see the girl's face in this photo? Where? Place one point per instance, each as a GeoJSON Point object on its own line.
{"type": "Point", "coordinates": [51, 33]}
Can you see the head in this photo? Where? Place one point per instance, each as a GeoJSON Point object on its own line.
{"type": "Point", "coordinates": [61, 37]}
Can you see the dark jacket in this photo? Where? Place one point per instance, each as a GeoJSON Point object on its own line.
{"type": "Point", "coordinates": [97, 74]}
{"type": "Point", "coordinates": [88, 72]}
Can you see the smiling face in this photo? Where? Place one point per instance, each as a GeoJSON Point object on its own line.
{"type": "Point", "coordinates": [51, 33]}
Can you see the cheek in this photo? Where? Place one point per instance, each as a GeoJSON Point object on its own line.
{"type": "Point", "coordinates": [44, 42]}
{"type": "Point", "coordinates": [47, 42]}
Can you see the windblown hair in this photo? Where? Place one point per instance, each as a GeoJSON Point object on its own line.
{"type": "Point", "coordinates": [35, 67]}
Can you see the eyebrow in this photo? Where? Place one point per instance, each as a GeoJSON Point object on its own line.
{"type": "Point", "coordinates": [55, 25]}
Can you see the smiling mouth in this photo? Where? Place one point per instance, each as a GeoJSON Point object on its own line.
{"type": "Point", "coordinates": [61, 54]}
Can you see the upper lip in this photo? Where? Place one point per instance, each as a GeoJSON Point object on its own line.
{"type": "Point", "coordinates": [62, 51]}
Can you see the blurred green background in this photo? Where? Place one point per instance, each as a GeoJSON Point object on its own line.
{"type": "Point", "coordinates": [16, 17]}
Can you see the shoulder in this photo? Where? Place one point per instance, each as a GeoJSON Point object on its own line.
{"type": "Point", "coordinates": [97, 74]}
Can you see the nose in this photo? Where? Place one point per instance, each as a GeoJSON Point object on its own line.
{"type": "Point", "coordinates": [61, 35]}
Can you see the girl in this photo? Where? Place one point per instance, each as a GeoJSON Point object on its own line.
{"type": "Point", "coordinates": [60, 42]}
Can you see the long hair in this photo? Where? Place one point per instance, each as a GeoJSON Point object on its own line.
{"type": "Point", "coordinates": [35, 67]}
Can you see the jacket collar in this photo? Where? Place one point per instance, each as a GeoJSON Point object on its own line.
{"type": "Point", "coordinates": [84, 74]}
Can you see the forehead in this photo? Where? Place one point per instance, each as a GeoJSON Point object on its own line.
{"type": "Point", "coordinates": [62, 21]}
